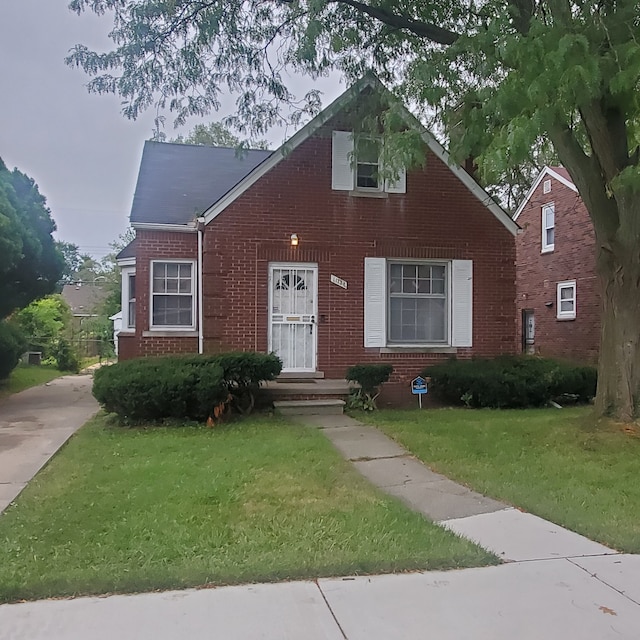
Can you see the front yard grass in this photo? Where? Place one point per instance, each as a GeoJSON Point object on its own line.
{"type": "Point", "coordinates": [125, 510]}
{"type": "Point", "coordinates": [561, 465]}
{"type": "Point", "coordinates": [25, 376]}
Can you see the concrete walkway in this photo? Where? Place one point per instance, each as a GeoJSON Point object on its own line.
{"type": "Point", "coordinates": [554, 585]}
{"type": "Point", "coordinates": [510, 533]}
{"type": "Point", "coordinates": [34, 424]}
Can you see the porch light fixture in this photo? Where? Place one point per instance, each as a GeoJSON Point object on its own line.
{"type": "Point", "coordinates": [294, 240]}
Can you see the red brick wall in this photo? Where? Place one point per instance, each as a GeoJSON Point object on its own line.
{"type": "Point", "coordinates": [153, 245]}
{"type": "Point", "coordinates": [573, 258]}
{"type": "Point", "coordinates": [437, 218]}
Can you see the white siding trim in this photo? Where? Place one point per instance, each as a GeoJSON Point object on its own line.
{"type": "Point", "coordinates": [375, 302]}
{"type": "Point", "coordinates": [462, 303]}
{"type": "Point", "coordinates": [547, 171]}
{"type": "Point", "coordinates": [342, 170]}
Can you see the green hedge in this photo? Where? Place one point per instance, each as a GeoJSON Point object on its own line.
{"type": "Point", "coordinates": [370, 377]}
{"type": "Point", "coordinates": [182, 386]}
{"type": "Point", "coordinates": [511, 382]}
{"type": "Point", "coordinates": [12, 345]}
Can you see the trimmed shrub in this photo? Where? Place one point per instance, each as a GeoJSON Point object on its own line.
{"type": "Point", "coordinates": [242, 373]}
{"type": "Point", "coordinates": [12, 345]}
{"type": "Point", "coordinates": [182, 386]}
{"type": "Point", "coordinates": [511, 382]}
{"type": "Point", "coordinates": [370, 377]}
{"type": "Point", "coordinates": [159, 388]}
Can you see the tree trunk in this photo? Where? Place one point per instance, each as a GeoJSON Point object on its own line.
{"type": "Point", "coordinates": [618, 260]}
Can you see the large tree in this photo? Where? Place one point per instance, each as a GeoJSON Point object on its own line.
{"type": "Point", "coordinates": [30, 264]}
{"type": "Point", "coordinates": [215, 134]}
{"type": "Point", "coordinates": [503, 77]}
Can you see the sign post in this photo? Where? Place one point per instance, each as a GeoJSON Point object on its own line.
{"type": "Point", "coordinates": [419, 388]}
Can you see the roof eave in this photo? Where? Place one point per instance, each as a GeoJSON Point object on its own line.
{"type": "Point", "coordinates": [545, 171]}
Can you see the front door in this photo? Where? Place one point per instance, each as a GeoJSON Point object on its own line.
{"type": "Point", "coordinates": [293, 298]}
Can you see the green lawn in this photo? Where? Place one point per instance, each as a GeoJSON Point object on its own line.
{"type": "Point", "coordinates": [25, 376]}
{"type": "Point", "coordinates": [124, 510]}
{"type": "Point", "coordinates": [559, 464]}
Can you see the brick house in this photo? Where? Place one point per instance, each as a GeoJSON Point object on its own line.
{"type": "Point", "coordinates": [558, 297]}
{"type": "Point", "coordinates": [305, 251]}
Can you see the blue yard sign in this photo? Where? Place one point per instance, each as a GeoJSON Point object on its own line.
{"type": "Point", "coordinates": [419, 388]}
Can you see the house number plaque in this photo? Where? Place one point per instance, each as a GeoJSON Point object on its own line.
{"type": "Point", "coordinates": [339, 281]}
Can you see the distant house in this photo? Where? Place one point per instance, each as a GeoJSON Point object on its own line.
{"type": "Point", "coordinates": [308, 252]}
{"type": "Point", "coordinates": [558, 293]}
{"type": "Point", "coordinates": [84, 299]}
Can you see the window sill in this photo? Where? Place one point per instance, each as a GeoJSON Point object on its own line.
{"type": "Point", "coordinates": [418, 349]}
{"type": "Point", "coordinates": [127, 332]}
{"type": "Point", "coordinates": [549, 250]}
{"type": "Point", "coordinates": [565, 318]}
{"type": "Point", "coordinates": [356, 193]}
{"type": "Point", "coordinates": [170, 333]}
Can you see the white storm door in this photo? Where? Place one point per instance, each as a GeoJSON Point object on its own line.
{"type": "Point", "coordinates": [293, 299]}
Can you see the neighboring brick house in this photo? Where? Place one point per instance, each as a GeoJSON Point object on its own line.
{"type": "Point", "coordinates": [305, 252]}
{"type": "Point", "coordinates": [558, 298]}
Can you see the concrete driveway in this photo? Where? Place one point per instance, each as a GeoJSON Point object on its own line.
{"type": "Point", "coordinates": [34, 424]}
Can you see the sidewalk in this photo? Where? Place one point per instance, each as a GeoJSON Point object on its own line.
{"type": "Point", "coordinates": [511, 534]}
{"type": "Point", "coordinates": [554, 584]}
{"type": "Point", "coordinates": [34, 424]}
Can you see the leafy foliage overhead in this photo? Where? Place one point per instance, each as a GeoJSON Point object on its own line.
{"type": "Point", "coordinates": [30, 264]}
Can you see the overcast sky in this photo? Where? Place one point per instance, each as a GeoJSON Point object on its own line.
{"type": "Point", "coordinates": [77, 146]}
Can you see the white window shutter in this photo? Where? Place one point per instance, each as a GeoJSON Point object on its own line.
{"type": "Point", "coordinates": [342, 178]}
{"type": "Point", "coordinates": [400, 185]}
{"type": "Point", "coordinates": [462, 304]}
{"type": "Point", "coordinates": [375, 298]}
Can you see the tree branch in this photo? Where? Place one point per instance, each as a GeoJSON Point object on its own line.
{"type": "Point", "coordinates": [422, 29]}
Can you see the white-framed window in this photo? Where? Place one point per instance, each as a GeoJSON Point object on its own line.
{"type": "Point", "coordinates": [173, 294]}
{"type": "Point", "coordinates": [128, 298]}
{"type": "Point", "coordinates": [367, 161]}
{"type": "Point", "coordinates": [356, 167]}
{"type": "Point", "coordinates": [546, 186]}
{"type": "Point", "coordinates": [566, 302]}
{"type": "Point", "coordinates": [548, 227]}
{"type": "Point", "coordinates": [418, 303]}
{"type": "Point", "coordinates": [131, 300]}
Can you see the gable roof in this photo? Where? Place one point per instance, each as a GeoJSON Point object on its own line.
{"type": "Point", "coordinates": [83, 298]}
{"type": "Point", "coordinates": [558, 173]}
{"type": "Point", "coordinates": [177, 182]}
{"type": "Point", "coordinates": [349, 96]}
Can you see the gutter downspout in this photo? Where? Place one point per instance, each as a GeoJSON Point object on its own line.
{"type": "Point", "coordinates": [200, 227]}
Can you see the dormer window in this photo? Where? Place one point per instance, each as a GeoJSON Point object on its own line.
{"type": "Point", "coordinates": [368, 164]}
{"type": "Point", "coordinates": [548, 227]}
{"type": "Point", "coordinates": [356, 167]}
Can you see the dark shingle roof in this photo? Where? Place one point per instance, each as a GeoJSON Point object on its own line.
{"type": "Point", "coordinates": [178, 182]}
{"type": "Point", "coordinates": [128, 252]}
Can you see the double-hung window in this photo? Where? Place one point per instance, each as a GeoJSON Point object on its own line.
{"type": "Point", "coordinates": [368, 164]}
{"type": "Point", "coordinates": [131, 300]}
{"type": "Point", "coordinates": [356, 166]}
{"type": "Point", "coordinates": [172, 294]}
{"type": "Point", "coordinates": [417, 303]}
{"type": "Point", "coordinates": [566, 303]}
{"type": "Point", "coordinates": [548, 227]}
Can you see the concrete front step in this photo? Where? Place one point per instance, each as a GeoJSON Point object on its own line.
{"type": "Point", "coordinates": [314, 407]}
{"type": "Point", "coordinates": [283, 388]}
